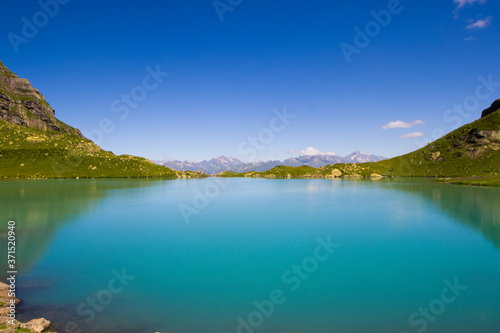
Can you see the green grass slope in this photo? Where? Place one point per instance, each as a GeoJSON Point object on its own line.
{"type": "Point", "coordinates": [29, 153]}
{"type": "Point", "coordinates": [470, 151]}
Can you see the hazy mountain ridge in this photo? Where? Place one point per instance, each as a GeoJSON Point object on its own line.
{"type": "Point", "coordinates": [223, 163]}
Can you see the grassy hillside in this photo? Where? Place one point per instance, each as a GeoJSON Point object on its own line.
{"type": "Point", "coordinates": [35, 144]}
{"type": "Point", "coordinates": [33, 153]}
{"type": "Point", "coordinates": [471, 153]}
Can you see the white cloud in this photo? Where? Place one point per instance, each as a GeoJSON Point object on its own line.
{"type": "Point", "coordinates": [480, 24]}
{"type": "Point", "coordinates": [412, 135]}
{"type": "Point", "coordinates": [462, 3]}
{"type": "Point", "coordinates": [469, 38]}
{"type": "Point", "coordinates": [402, 124]}
{"type": "Point", "coordinates": [310, 151]}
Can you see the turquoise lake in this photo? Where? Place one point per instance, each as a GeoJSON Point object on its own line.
{"type": "Point", "coordinates": [255, 255]}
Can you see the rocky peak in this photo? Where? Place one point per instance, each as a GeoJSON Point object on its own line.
{"type": "Point", "coordinates": [494, 107]}
{"type": "Point", "coordinates": [22, 104]}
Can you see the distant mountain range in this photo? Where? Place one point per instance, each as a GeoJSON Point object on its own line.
{"type": "Point", "coordinates": [223, 163]}
{"type": "Point", "coordinates": [34, 144]}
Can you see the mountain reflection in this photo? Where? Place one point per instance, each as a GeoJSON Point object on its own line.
{"type": "Point", "coordinates": [41, 207]}
{"type": "Point", "coordinates": [476, 207]}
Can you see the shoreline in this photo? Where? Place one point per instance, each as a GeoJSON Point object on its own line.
{"type": "Point", "coordinates": [35, 325]}
{"type": "Point", "coordinates": [485, 181]}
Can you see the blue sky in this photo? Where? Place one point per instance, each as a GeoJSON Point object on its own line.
{"type": "Point", "coordinates": [230, 66]}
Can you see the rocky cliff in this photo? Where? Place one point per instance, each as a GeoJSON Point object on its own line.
{"type": "Point", "coordinates": [21, 104]}
{"type": "Point", "coordinates": [34, 144]}
{"type": "Point", "coordinates": [494, 107]}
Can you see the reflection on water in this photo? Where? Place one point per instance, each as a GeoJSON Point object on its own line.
{"type": "Point", "coordinates": [40, 207]}
{"type": "Point", "coordinates": [476, 207]}
{"type": "Point", "coordinates": [399, 238]}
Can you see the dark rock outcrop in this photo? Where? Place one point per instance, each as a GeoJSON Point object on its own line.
{"type": "Point", "coordinates": [480, 141]}
{"type": "Point", "coordinates": [494, 107]}
{"type": "Point", "coordinates": [21, 104]}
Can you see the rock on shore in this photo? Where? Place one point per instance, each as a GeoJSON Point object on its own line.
{"type": "Point", "coordinates": [35, 325]}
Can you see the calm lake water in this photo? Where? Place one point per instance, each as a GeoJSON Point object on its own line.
{"type": "Point", "coordinates": [283, 256]}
